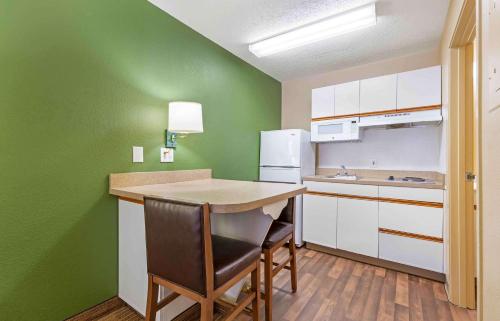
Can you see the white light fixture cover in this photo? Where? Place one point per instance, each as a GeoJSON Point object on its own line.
{"type": "Point", "coordinates": [185, 117]}
{"type": "Point", "coordinates": [358, 18]}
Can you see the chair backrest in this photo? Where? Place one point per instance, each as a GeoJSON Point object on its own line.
{"type": "Point", "coordinates": [178, 242]}
{"type": "Point", "coordinates": [288, 212]}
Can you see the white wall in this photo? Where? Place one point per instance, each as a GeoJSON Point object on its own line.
{"type": "Point", "coordinates": [417, 148]}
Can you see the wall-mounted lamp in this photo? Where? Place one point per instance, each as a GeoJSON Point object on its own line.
{"type": "Point", "coordinates": [183, 118]}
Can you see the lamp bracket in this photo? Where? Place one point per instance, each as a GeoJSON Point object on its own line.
{"type": "Point", "coordinates": [170, 139]}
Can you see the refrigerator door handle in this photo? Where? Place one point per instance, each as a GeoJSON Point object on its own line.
{"type": "Point", "coordinates": [278, 167]}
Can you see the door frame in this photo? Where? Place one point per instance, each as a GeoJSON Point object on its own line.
{"type": "Point", "coordinates": [463, 237]}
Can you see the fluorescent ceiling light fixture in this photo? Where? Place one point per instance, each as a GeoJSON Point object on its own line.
{"type": "Point", "coordinates": [358, 18]}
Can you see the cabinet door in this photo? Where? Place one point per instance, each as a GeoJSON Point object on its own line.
{"type": "Point", "coordinates": [320, 220]}
{"type": "Point", "coordinates": [358, 226]}
{"type": "Point", "coordinates": [419, 88]}
{"type": "Point", "coordinates": [322, 102]}
{"type": "Point", "coordinates": [378, 94]}
{"type": "Point", "coordinates": [347, 98]}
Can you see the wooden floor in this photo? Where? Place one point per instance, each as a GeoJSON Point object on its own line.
{"type": "Point", "coordinates": [333, 288]}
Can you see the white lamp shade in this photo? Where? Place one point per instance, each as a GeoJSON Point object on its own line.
{"type": "Point", "coordinates": [185, 117]}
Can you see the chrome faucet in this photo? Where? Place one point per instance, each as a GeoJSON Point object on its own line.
{"type": "Point", "coordinates": [343, 171]}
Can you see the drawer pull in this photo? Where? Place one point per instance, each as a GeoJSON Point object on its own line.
{"type": "Point", "coordinates": [411, 235]}
{"type": "Point", "coordinates": [411, 202]}
{"type": "Point", "coordinates": [357, 197]}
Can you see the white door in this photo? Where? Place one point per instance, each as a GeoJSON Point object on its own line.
{"type": "Point", "coordinates": [322, 102]}
{"type": "Point", "coordinates": [378, 94]}
{"type": "Point", "coordinates": [347, 98]}
{"type": "Point", "coordinates": [280, 148]}
{"type": "Point", "coordinates": [357, 226]}
{"type": "Point", "coordinates": [419, 88]}
{"type": "Point", "coordinates": [320, 220]}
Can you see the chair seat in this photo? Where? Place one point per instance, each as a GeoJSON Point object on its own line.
{"type": "Point", "coordinates": [277, 232]}
{"type": "Point", "coordinates": [231, 257]}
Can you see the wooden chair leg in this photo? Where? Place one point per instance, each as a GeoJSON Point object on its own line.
{"type": "Point", "coordinates": [207, 310]}
{"type": "Point", "coordinates": [256, 289]}
{"type": "Point", "coordinates": [152, 302]}
{"type": "Point", "coordinates": [268, 284]}
{"type": "Point", "coordinates": [293, 263]}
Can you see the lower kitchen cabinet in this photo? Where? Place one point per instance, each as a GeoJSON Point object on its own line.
{"type": "Point", "coordinates": [357, 229]}
{"type": "Point", "coordinates": [320, 220]}
{"type": "Point", "coordinates": [423, 254]}
{"type": "Point", "coordinates": [398, 224]}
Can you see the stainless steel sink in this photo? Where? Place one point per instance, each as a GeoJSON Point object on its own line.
{"type": "Point", "coordinates": [343, 177]}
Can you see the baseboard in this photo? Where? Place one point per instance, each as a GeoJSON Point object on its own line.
{"type": "Point", "coordinates": [435, 276]}
{"type": "Point", "coordinates": [98, 310]}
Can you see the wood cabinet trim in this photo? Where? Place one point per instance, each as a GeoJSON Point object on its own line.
{"type": "Point", "coordinates": [411, 235]}
{"type": "Point", "coordinates": [357, 197]}
{"type": "Point", "coordinates": [380, 199]}
{"type": "Point", "coordinates": [335, 117]}
{"type": "Point", "coordinates": [365, 198]}
{"type": "Point", "coordinates": [411, 202]}
{"type": "Point", "coordinates": [382, 112]}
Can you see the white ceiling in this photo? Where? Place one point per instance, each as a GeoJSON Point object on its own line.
{"type": "Point", "coordinates": [403, 26]}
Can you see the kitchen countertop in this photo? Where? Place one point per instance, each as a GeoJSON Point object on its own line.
{"type": "Point", "coordinates": [379, 178]}
{"type": "Point", "coordinates": [223, 196]}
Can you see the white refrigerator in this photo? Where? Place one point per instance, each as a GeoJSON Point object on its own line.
{"type": "Point", "coordinates": [287, 156]}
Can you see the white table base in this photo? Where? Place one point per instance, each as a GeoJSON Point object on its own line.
{"type": "Point", "coordinates": [251, 226]}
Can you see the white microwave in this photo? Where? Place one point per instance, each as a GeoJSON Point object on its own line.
{"type": "Point", "coordinates": [333, 130]}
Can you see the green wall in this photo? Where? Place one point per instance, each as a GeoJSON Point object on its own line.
{"type": "Point", "coordinates": [81, 82]}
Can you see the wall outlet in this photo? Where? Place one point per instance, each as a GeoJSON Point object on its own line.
{"type": "Point", "coordinates": [137, 154]}
{"type": "Point", "coordinates": [166, 155]}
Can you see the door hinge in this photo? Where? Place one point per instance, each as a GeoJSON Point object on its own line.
{"type": "Point", "coordinates": [470, 176]}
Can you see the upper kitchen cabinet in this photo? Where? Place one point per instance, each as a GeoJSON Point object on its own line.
{"type": "Point", "coordinates": [347, 98]}
{"type": "Point", "coordinates": [322, 102]}
{"type": "Point", "coordinates": [378, 94]}
{"type": "Point", "coordinates": [419, 88]}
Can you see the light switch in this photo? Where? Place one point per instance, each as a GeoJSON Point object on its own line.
{"type": "Point", "coordinates": [166, 155]}
{"type": "Point", "coordinates": [137, 154]}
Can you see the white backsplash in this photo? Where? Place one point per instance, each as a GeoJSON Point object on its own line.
{"type": "Point", "coordinates": [418, 148]}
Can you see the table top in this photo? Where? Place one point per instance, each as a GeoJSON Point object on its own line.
{"type": "Point", "coordinates": [223, 196]}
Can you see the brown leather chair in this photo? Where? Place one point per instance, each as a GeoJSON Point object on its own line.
{"type": "Point", "coordinates": [184, 257]}
{"type": "Point", "coordinates": [281, 232]}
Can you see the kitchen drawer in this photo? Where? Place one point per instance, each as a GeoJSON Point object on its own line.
{"type": "Point", "coordinates": [320, 220]}
{"type": "Point", "coordinates": [411, 251]}
{"type": "Point", "coordinates": [340, 188]}
{"type": "Point", "coordinates": [411, 218]}
{"type": "Point", "coordinates": [410, 193]}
